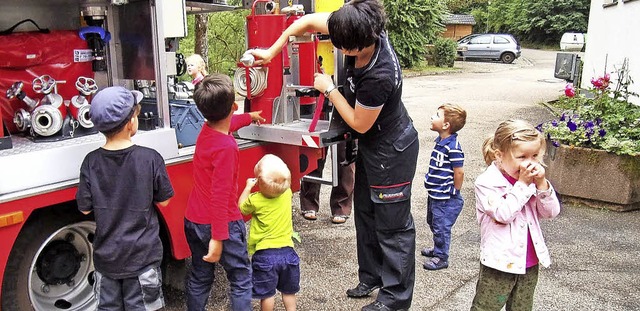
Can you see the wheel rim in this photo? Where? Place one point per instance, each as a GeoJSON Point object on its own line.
{"type": "Point", "coordinates": [61, 272]}
{"type": "Point", "coordinates": [507, 58]}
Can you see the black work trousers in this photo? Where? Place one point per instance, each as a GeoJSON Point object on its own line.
{"type": "Point", "coordinates": [385, 230]}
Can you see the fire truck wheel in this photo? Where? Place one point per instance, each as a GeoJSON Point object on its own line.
{"type": "Point", "coordinates": [51, 266]}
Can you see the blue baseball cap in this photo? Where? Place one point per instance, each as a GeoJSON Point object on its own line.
{"type": "Point", "coordinates": [111, 106]}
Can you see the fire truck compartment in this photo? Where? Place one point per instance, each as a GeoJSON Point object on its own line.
{"type": "Point", "coordinates": [37, 164]}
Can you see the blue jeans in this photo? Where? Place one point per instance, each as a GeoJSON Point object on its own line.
{"type": "Point", "coordinates": [234, 260]}
{"type": "Point", "coordinates": [441, 215]}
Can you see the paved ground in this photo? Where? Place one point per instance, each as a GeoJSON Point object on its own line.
{"type": "Point", "coordinates": [594, 252]}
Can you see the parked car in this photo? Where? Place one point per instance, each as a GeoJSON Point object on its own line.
{"type": "Point", "coordinates": [572, 41]}
{"type": "Point", "coordinates": [503, 47]}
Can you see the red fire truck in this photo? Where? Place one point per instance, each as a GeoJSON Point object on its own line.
{"type": "Point", "coordinates": [49, 75]}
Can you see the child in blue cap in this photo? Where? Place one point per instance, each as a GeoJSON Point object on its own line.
{"type": "Point", "coordinates": [121, 183]}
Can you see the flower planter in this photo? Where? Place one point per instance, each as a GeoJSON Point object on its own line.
{"type": "Point", "coordinates": [594, 177]}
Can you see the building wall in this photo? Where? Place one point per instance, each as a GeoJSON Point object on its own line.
{"type": "Point", "coordinates": [456, 32]}
{"type": "Point", "coordinates": [612, 36]}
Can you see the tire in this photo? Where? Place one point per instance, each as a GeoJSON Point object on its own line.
{"type": "Point", "coordinates": [51, 265]}
{"type": "Point", "coordinates": [507, 57]}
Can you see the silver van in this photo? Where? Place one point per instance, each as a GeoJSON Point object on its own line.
{"type": "Point", "coordinates": [503, 47]}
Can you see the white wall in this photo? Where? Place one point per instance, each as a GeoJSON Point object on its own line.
{"type": "Point", "coordinates": [614, 33]}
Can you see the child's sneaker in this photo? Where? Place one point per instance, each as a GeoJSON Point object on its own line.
{"type": "Point", "coordinates": [435, 264]}
{"type": "Point", "coordinates": [427, 252]}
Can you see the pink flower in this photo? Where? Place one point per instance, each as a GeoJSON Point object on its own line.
{"type": "Point", "coordinates": [605, 81]}
{"type": "Point", "coordinates": [602, 82]}
{"type": "Point", "coordinates": [597, 83]}
{"type": "Point", "coordinates": [569, 90]}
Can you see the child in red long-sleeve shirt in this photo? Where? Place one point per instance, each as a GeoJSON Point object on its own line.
{"type": "Point", "coordinates": [213, 224]}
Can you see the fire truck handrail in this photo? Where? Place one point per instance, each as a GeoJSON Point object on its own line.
{"type": "Point", "coordinates": [195, 7]}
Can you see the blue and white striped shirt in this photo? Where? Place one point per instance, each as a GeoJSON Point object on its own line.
{"type": "Point", "coordinates": [446, 155]}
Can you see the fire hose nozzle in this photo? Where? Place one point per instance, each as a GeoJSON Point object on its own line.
{"type": "Point", "coordinates": [247, 58]}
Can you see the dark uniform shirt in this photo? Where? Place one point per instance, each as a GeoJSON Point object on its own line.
{"type": "Point", "coordinates": [378, 84]}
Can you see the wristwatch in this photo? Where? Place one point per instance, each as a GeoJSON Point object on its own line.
{"type": "Point", "coordinates": [329, 90]}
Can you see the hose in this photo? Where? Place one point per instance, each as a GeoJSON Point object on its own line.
{"type": "Point", "coordinates": [257, 78]}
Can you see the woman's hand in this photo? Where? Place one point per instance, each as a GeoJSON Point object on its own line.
{"type": "Point", "coordinates": [262, 56]}
{"type": "Point", "coordinates": [322, 82]}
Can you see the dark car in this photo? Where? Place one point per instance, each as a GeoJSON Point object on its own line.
{"type": "Point", "coordinates": [503, 47]}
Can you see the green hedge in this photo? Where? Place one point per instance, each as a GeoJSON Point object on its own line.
{"type": "Point", "coordinates": [444, 52]}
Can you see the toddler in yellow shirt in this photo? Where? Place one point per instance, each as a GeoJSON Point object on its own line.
{"type": "Point", "coordinates": [275, 263]}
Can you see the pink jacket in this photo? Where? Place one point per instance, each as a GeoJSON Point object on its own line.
{"type": "Point", "coordinates": [504, 213]}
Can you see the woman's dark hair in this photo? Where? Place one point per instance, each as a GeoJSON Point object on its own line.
{"type": "Point", "coordinates": [357, 24]}
{"type": "Point", "coordinates": [214, 96]}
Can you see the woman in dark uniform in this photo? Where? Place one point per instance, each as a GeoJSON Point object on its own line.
{"type": "Point", "coordinates": [387, 145]}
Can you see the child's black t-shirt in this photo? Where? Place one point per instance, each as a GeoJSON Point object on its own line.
{"type": "Point", "coordinates": [120, 187]}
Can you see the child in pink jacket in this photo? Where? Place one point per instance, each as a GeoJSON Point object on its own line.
{"type": "Point", "coordinates": [512, 194]}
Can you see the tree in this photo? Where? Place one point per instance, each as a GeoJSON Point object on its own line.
{"type": "Point", "coordinates": [223, 44]}
{"type": "Point", "coordinates": [226, 40]}
{"type": "Point", "coordinates": [465, 6]}
{"type": "Point", "coordinates": [412, 24]}
{"type": "Point", "coordinates": [538, 21]}
{"type": "Point", "coordinates": [546, 21]}
{"type": "Point", "coordinates": [201, 37]}
{"type": "Point", "coordinates": [477, 8]}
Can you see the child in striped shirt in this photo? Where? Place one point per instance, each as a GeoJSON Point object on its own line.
{"type": "Point", "coordinates": [443, 182]}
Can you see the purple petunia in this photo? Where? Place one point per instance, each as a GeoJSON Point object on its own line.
{"type": "Point", "coordinates": [602, 132]}
{"type": "Point", "coordinates": [554, 123]}
{"type": "Point", "coordinates": [588, 125]}
{"type": "Point", "coordinates": [589, 132]}
{"type": "Point", "coordinates": [563, 117]}
{"type": "Point", "coordinates": [555, 143]}
{"type": "Point", "coordinates": [572, 126]}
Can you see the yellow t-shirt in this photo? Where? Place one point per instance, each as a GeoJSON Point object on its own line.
{"type": "Point", "coordinates": [271, 223]}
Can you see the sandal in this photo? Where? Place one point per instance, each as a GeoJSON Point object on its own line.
{"type": "Point", "coordinates": [309, 215]}
{"type": "Point", "coordinates": [339, 219]}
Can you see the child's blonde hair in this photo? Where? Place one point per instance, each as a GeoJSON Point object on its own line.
{"type": "Point", "coordinates": [455, 115]}
{"type": "Point", "coordinates": [506, 134]}
{"type": "Point", "coordinates": [197, 60]}
{"type": "Point", "coordinates": [273, 175]}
